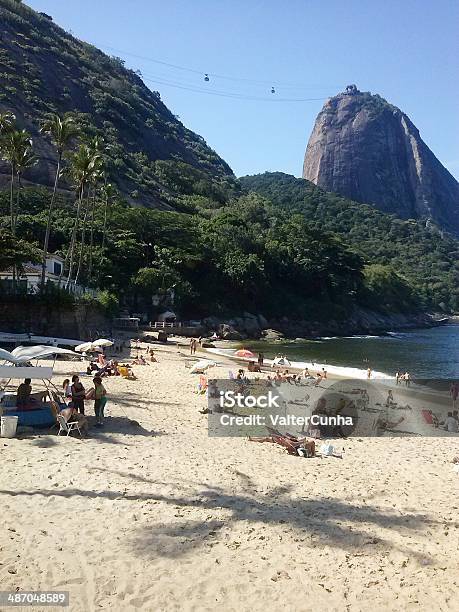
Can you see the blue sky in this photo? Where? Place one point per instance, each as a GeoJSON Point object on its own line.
{"type": "Point", "coordinates": [405, 50]}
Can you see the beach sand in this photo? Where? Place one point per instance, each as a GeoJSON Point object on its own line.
{"type": "Point", "coordinates": [158, 516]}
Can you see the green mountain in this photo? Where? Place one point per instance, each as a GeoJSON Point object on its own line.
{"type": "Point", "coordinates": [179, 219]}
{"type": "Point", "coordinates": [426, 256]}
{"type": "Point", "coordinates": [44, 69]}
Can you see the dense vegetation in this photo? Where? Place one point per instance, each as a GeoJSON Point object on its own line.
{"type": "Point", "coordinates": [281, 248]}
{"type": "Point", "coordinates": [425, 256]}
{"type": "Point", "coordinates": [45, 70]}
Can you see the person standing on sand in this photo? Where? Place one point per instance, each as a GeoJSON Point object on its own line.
{"type": "Point", "coordinates": [100, 399]}
{"type": "Point", "coordinates": [78, 394]}
{"type": "Point", "coordinates": [407, 379]}
{"type": "Point", "coordinates": [369, 373]}
{"type": "Point", "coordinates": [397, 378]}
{"type": "Point", "coordinates": [454, 392]}
{"type": "Point", "coordinates": [261, 358]}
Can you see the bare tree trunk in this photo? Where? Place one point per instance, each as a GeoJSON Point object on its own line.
{"type": "Point", "coordinates": [105, 214]}
{"type": "Point", "coordinates": [73, 239]}
{"type": "Point", "coordinates": [48, 224]}
{"type": "Point", "coordinates": [12, 200]}
{"type": "Point", "coordinates": [83, 233]}
{"type": "Point", "coordinates": [91, 242]}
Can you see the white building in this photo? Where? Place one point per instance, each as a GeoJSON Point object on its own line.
{"type": "Point", "coordinates": [30, 277]}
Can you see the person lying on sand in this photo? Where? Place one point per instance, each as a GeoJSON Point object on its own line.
{"type": "Point", "coordinates": [140, 360]}
{"type": "Point", "coordinates": [293, 445]}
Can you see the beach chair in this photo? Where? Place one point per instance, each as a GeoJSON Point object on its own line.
{"type": "Point", "coordinates": [66, 427]}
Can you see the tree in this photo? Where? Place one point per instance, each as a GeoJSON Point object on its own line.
{"type": "Point", "coordinates": [61, 131]}
{"type": "Point", "coordinates": [7, 123]}
{"type": "Point", "coordinates": [82, 164]}
{"type": "Point", "coordinates": [15, 253]}
{"type": "Point", "coordinates": [25, 159]}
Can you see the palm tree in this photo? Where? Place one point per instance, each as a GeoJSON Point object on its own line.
{"type": "Point", "coordinates": [7, 122]}
{"type": "Point", "coordinates": [100, 148]}
{"type": "Point", "coordinates": [61, 131]}
{"type": "Point", "coordinates": [97, 178]}
{"type": "Point", "coordinates": [17, 150]}
{"type": "Point", "coordinates": [7, 125]}
{"type": "Point", "coordinates": [108, 193]}
{"type": "Point", "coordinates": [26, 158]}
{"type": "Point", "coordinates": [83, 163]}
{"type": "Point", "coordinates": [91, 204]}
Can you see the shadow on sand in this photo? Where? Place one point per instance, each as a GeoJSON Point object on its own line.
{"type": "Point", "coordinates": [323, 521]}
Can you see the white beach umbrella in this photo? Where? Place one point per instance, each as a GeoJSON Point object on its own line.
{"type": "Point", "coordinates": [88, 347]}
{"type": "Point", "coordinates": [202, 366]}
{"type": "Point", "coordinates": [23, 354]}
{"type": "Point", "coordinates": [102, 342]}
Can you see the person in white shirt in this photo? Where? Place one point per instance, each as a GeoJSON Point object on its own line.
{"type": "Point", "coordinates": [451, 423]}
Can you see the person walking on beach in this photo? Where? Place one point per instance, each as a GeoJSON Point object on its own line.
{"type": "Point", "coordinates": [78, 394]}
{"type": "Point", "coordinates": [407, 379]}
{"type": "Point", "coordinates": [261, 358]}
{"type": "Point", "coordinates": [100, 399]}
{"type": "Point", "coordinates": [369, 373]}
{"type": "Point", "coordinates": [454, 392]}
{"type": "Point", "coordinates": [397, 378]}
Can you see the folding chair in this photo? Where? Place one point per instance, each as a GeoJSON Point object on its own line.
{"type": "Point", "coordinates": [67, 427]}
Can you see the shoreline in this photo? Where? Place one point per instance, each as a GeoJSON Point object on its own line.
{"type": "Point", "coordinates": [314, 367]}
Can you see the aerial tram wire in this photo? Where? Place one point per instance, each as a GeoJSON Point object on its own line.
{"type": "Point", "coordinates": [210, 76]}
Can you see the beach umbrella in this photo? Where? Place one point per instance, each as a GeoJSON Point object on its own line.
{"type": "Point", "coordinates": [201, 366]}
{"type": "Point", "coordinates": [88, 347]}
{"type": "Point", "coordinates": [243, 353]}
{"type": "Point", "coordinates": [23, 354]}
{"type": "Point", "coordinates": [102, 342]}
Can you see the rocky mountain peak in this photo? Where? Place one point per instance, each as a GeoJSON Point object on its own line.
{"type": "Point", "coordinates": [367, 149]}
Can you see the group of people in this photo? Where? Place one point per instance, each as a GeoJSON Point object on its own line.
{"type": "Point", "coordinates": [75, 396]}
{"type": "Point", "coordinates": [401, 378]}
{"type": "Point", "coordinates": [103, 367]}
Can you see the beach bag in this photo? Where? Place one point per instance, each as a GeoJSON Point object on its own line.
{"type": "Point", "coordinates": [308, 449]}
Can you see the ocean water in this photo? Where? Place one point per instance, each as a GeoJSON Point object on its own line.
{"type": "Point", "coordinates": [425, 353]}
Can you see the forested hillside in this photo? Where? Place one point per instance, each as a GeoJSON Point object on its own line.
{"type": "Point", "coordinates": [96, 141]}
{"type": "Point", "coordinates": [425, 256]}
{"type": "Point", "coordinates": [45, 70]}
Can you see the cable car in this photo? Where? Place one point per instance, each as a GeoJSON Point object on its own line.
{"type": "Point", "coordinates": [206, 77]}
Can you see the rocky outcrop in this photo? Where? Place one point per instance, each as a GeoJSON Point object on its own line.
{"type": "Point", "coordinates": [368, 150]}
{"type": "Point", "coordinates": [359, 321]}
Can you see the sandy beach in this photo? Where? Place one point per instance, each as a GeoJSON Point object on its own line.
{"type": "Point", "coordinates": [149, 513]}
